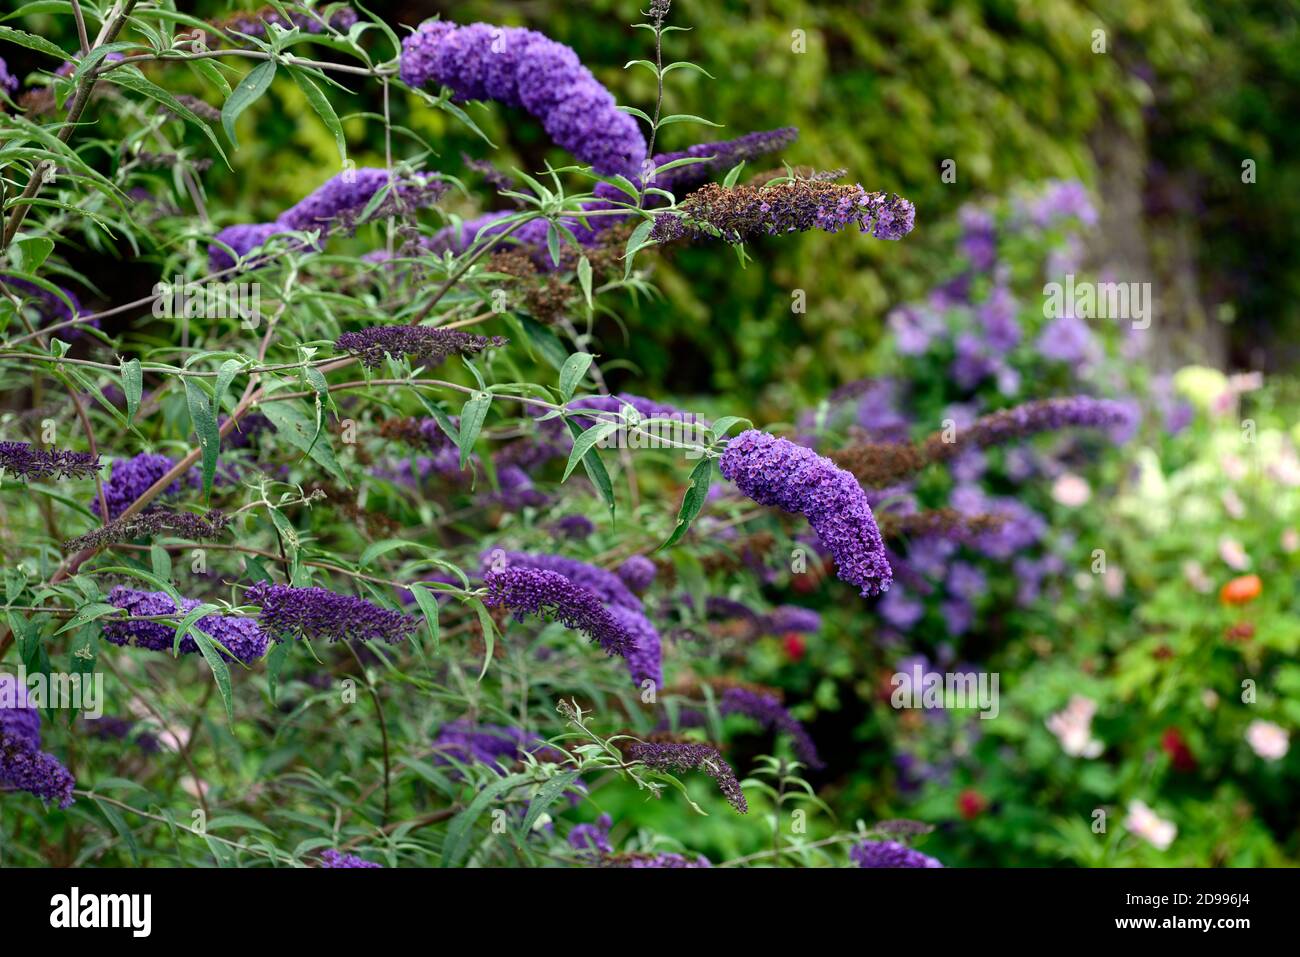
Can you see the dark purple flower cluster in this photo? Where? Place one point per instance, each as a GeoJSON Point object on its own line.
{"type": "Point", "coordinates": [241, 637]}
{"type": "Point", "coordinates": [491, 175]}
{"type": "Point", "coordinates": [776, 472]}
{"type": "Point", "coordinates": [333, 858]}
{"type": "Point", "coordinates": [50, 307]}
{"type": "Point", "coordinates": [645, 657]}
{"type": "Point", "coordinates": [242, 238]}
{"type": "Point", "coordinates": [345, 196]}
{"type": "Point", "coordinates": [676, 757]}
{"type": "Point", "coordinates": [721, 156]}
{"type": "Point", "coordinates": [889, 854]}
{"type": "Point", "coordinates": [255, 24]}
{"type": "Point", "coordinates": [637, 573]}
{"type": "Point", "coordinates": [592, 838]}
{"type": "Point", "coordinates": [341, 199]}
{"type": "Point", "coordinates": [155, 521]}
{"type": "Point", "coordinates": [8, 82]}
{"type": "Point", "coordinates": [645, 654]}
{"type": "Point", "coordinates": [320, 614]}
{"type": "Point", "coordinates": [23, 460]}
{"type": "Point", "coordinates": [653, 860]}
{"type": "Point", "coordinates": [787, 618]}
{"type": "Point", "coordinates": [739, 212]}
{"type": "Point", "coordinates": [574, 527]}
{"type": "Point", "coordinates": [36, 772]}
{"type": "Point", "coordinates": [1031, 418]}
{"type": "Point", "coordinates": [515, 490]}
{"type": "Point", "coordinates": [113, 728]}
{"type": "Point", "coordinates": [18, 716]}
{"type": "Point", "coordinates": [522, 68]}
{"type": "Point", "coordinates": [718, 157]}
{"type": "Point", "coordinates": [23, 765]}
{"type": "Point", "coordinates": [131, 478]}
{"type": "Point", "coordinates": [468, 743]}
{"type": "Point", "coordinates": [605, 584]}
{"type": "Point", "coordinates": [645, 408]}
{"type": "Point", "coordinates": [535, 591]}
{"type": "Point", "coordinates": [767, 710]}
{"type": "Point", "coordinates": [424, 344]}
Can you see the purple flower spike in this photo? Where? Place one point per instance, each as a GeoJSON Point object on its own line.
{"type": "Point", "coordinates": [637, 573]}
{"type": "Point", "coordinates": [667, 860]}
{"type": "Point", "coordinates": [245, 641]}
{"type": "Point", "coordinates": [739, 212]}
{"type": "Point", "coordinates": [18, 717]}
{"type": "Point", "coordinates": [8, 82]}
{"type": "Point", "coordinates": [131, 478]}
{"type": "Point", "coordinates": [25, 461]}
{"type": "Point", "coordinates": [341, 199]}
{"type": "Point", "coordinates": [645, 658]}
{"type": "Point", "coordinates": [36, 772]}
{"type": "Point", "coordinates": [889, 854]}
{"type": "Point", "coordinates": [768, 711]}
{"type": "Point", "coordinates": [318, 613]}
{"type": "Point", "coordinates": [23, 765]}
{"type": "Point", "coordinates": [426, 344]}
{"type": "Point", "coordinates": [776, 472]}
{"type": "Point", "coordinates": [692, 757]}
{"type": "Point", "coordinates": [346, 195]}
{"type": "Point", "coordinates": [333, 858]}
{"type": "Point", "coordinates": [469, 743]}
{"type": "Point", "coordinates": [592, 838]}
{"type": "Point", "coordinates": [242, 238]}
{"type": "Point", "coordinates": [607, 586]}
{"type": "Point", "coordinates": [536, 591]}
{"type": "Point", "coordinates": [522, 68]}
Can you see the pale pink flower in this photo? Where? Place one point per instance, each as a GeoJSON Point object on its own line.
{"type": "Point", "coordinates": [1210, 698]}
{"type": "Point", "coordinates": [1246, 382]}
{"type": "Point", "coordinates": [1285, 469]}
{"type": "Point", "coordinates": [1073, 728]}
{"type": "Point", "coordinates": [1113, 581]}
{"type": "Point", "coordinates": [1290, 540]}
{"type": "Point", "coordinates": [1232, 504]}
{"type": "Point", "coordinates": [1196, 577]}
{"type": "Point", "coordinates": [1233, 554]}
{"type": "Point", "coordinates": [1268, 740]}
{"type": "Point", "coordinates": [1234, 467]}
{"type": "Point", "coordinates": [1146, 824]}
{"type": "Point", "coordinates": [1071, 490]}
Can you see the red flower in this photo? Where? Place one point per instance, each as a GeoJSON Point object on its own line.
{"type": "Point", "coordinates": [795, 646]}
{"type": "Point", "coordinates": [1174, 745]}
{"type": "Point", "coordinates": [971, 804]}
{"type": "Point", "coordinates": [1241, 631]}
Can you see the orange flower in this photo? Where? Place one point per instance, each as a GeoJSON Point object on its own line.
{"type": "Point", "coordinates": [1242, 589]}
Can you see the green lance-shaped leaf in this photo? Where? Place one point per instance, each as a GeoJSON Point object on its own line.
{"type": "Point", "coordinates": [133, 386]}
{"type": "Point", "coordinates": [250, 88]}
{"type": "Point", "coordinates": [321, 104]}
{"type": "Point", "coordinates": [575, 367]}
{"type": "Point", "coordinates": [205, 426]}
{"type": "Point", "coordinates": [472, 415]}
{"type": "Point", "coordinates": [692, 502]}
{"type": "Point", "coordinates": [596, 471]}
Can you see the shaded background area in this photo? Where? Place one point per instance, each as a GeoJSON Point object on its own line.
{"type": "Point", "coordinates": [1159, 124]}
